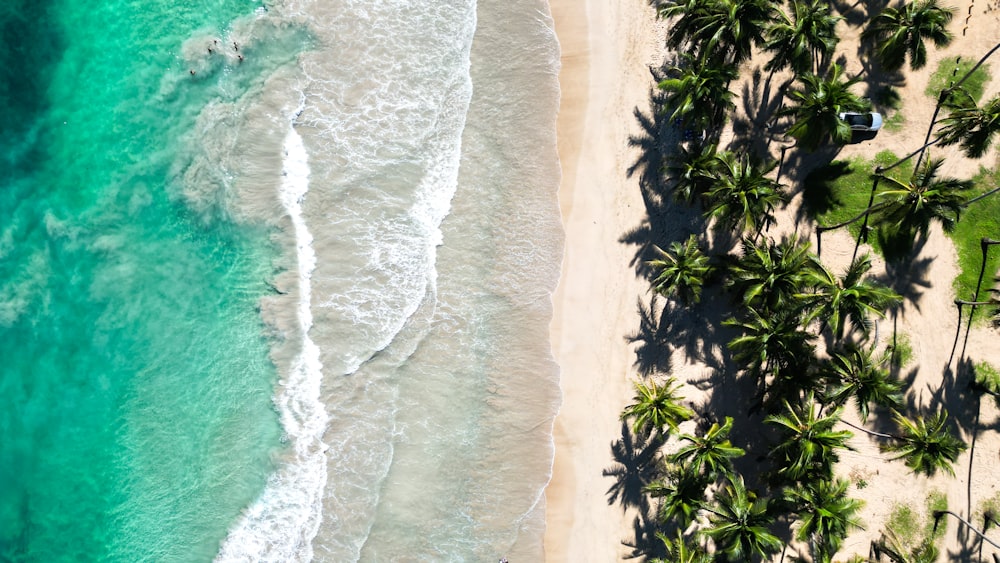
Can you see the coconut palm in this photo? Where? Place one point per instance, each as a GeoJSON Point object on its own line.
{"type": "Point", "coordinates": [744, 197]}
{"type": "Point", "coordinates": [925, 444]}
{"type": "Point", "coordinates": [656, 406]}
{"type": "Point", "coordinates": [681, 494]}
{"type": "Point", "coordinates": [680, 551]}
{"type": "Point", "coordinates": [826, 514]}
{"type": "Point", "coordinates": [697, 94]}
{"type": "Point", "coordinates": [852, 297]}
{"type": "Point", "coordinates": [900, 33]}
{"type": "Point", "coordinates": [711, 454]}
{"type": "Point", "coordinates": [770, 342]}
{"type": "Point", "coordinates": [970, 126]}
{"type": "Point", "coordinates": [739, 524]}
{"type": "Point", "coordinates": [691, 173]}
{"type": "Point", "coordinates": [682, 271]}
{"type": "Point", "coordinates": [770, 275]}
{"type": "Point", "coordinates": [909, 207]}
{"type": "Point", "coordinates": [804, 40]}
{"type": "Point", "coordinates": [719, 30]}
{"type": "Point", "coordinates": [809, 443]}
{"type": "Point", "coordinates": [816, 107]}
{"type": "Point", "coordinates": [853, 371]}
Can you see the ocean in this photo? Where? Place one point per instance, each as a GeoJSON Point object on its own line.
{"type": "Point", "coordinates": [275, 279]}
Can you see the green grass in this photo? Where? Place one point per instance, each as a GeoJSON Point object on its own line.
{"type": "Point", "coordinates": [902, 353]}
{"type": "Point", "coordinates": [913, 527]}
{"type": "Point", "coordinates": [979, 220]}
{"type": "Point", "coordinates": [841, 190]}
{"type": "Point", "coordinates": [936, 500]}
{"type": "Point", "coordinates": [894, 123]}
{"type": "Point", "coordinates": [946, 74]}
{"type": "Point", "coordinates": [904, 522]}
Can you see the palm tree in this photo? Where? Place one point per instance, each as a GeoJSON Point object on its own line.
{"type": "Point", "coordinates": [770, 275]}
{"type": "Point", "coordinates": [692, 172]}
{"type": "Point", "coordinates": [719, 30]}
{"type": "Point", "coordinates": [656, 406]}
{"type": "Point", "coordinates": [770, 341]}
{"type": "Point", "coordinates": [854, 372]}
{"type": "Point", "coordinates": [899, 33]}
{"type": "Point", "coordinates": [681, 494]}
{"type": "Point", "coordinates": [926, 444]}
{"type": "Point", "coordinates": [697, 94]}
{"type": "Point", "coordinates": [970, 126]}
{"type": "Point", "coordinates": [739, 524]}
{"type": "Point", "coordinates": [805, 40]}
{"type": "Point", "coordinates": [810, 444]}
{"type": "Point", "coordinates": [852, 298]}
{"type": "Point", "coordinates": [710, 454]}
{"type": "Point", "coordinates": [909, 207]}
{"type": "Point", "coordinates": [744, 197]}
{"type": "Point", "coordinates": [826, 514]}
{"type": "Point", "coordinates": [682, 271]}
{"type": "Point", "coordinates": [680, 551]}
{"type": "Point", "coordinates": [817, 105]}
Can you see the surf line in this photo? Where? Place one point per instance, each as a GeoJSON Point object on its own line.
{"type": "Point", "coordinates": [282, 523]}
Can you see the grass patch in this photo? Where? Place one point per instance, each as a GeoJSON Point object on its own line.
{"type": "Point", "coordinates": [902, 353]}
{"type": "Point", "coordinates": [948, 72]}
{"type": "Point", "coordinates": [936, 500]}
{"type": "Point", "coordinates": [894, 123]}
{"type": "Point", "coordinates": [987, 379]}
{"type": "Point", "coordinates": [905, 524]}
{"type": "Point", "coordinates": [991, 507]}
{"type": "Point", "coordinates": [979, 220]}
{"type": "Point", "coordinates": [842, 189]}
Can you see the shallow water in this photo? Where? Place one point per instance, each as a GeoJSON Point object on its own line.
{"type": "Point", "coordinates": [291, 306]}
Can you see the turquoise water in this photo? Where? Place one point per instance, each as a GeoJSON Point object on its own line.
{"type": "Point", "coordinates": [136, 416]}
{"type": "Point", "coordinates": [280, 303]}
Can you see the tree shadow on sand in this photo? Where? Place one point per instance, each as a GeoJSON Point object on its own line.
{"type": "Point", "coordinates": [635, 467]}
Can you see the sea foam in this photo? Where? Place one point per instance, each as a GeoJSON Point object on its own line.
{"type": "Point", "coordinates": [281, 524]}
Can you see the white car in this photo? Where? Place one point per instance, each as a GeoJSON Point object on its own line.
{"type": "Point", "coordinates": [869, 121]}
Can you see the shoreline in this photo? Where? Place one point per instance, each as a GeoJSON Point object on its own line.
{"type": "Point", "coordinates": [605, 49]}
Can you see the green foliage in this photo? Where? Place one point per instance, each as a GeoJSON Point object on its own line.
{"type": "Point", "coordinates": [926, 444]}
{"type": "Point", "coordinates": [978, 220]}
{"type": "Point", "coordinates": [949, 71]}
{"type": "Point", "coordinates": [681, 271]}
{"type": "Point", "coordinates": [656, 406]}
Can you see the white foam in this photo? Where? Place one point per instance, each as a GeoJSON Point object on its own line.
{"type": "Point", "coordinates": [282, 523]}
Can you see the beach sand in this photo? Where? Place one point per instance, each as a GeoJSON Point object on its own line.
{"type": "Point", "coordinates": [607, 47]}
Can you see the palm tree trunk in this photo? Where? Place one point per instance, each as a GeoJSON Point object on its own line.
{"type": "Point", "coordinates": [864, 226]}
{"type": "Point", "coordinates": [938, 514]}
{"type": "Point", "coordinates": [870, 432]}
{"type": "Point", "coordinates": [983, 196]}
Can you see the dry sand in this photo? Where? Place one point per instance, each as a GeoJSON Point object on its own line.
{"type": "Point", "coordinates": [607, 46]}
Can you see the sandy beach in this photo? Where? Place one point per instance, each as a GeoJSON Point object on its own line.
{"type": "Point", "coordinates": [607, 48]}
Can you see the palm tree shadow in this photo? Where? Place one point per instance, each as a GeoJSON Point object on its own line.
{"type": "Point", "coordinates": [644, 542]}
{"type": "Point", "coordinates": [858, 12]}
{"type": "Point", "coordinates": [752, 128]}
{"type": "Point", "coordinates": [635, 467]}
{"type": "Point", "coordinates": [908, 276]}
{"type": "Point", "coordinates": [665, 221]}
{"type": "Point", "coordinates": [652, 355]}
